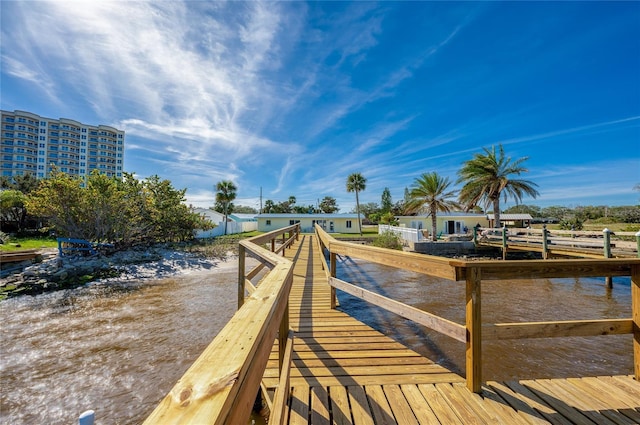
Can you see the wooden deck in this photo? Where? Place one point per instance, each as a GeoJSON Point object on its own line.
{"type": "Point", "coordinates": [345, 372]}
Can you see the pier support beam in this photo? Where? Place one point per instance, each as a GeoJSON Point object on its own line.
{"type": "Point", "coordinates": [474, 326]}
{"type": "Point", "coordinates": [635, 307]}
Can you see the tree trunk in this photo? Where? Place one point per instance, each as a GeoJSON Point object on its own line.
{"type": "Point", "coordinates": [496, 213]}
{"type": "Point", "coordinates": [358, 212]}
{"type": "Point", "coordinates": [434, 226]}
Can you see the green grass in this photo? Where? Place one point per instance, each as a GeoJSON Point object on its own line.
{"type": "Point", "coordinates": [28, 243]}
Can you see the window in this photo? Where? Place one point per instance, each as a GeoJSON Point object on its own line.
{"type": "Point", "coordinates": [348, 224]}
{"type": "Point", "coordinates": [268, 222]}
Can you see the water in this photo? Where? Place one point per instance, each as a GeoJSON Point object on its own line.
{"type": "Point", "coordinates": [119, 348]}
{"type": "Point", "coordinates": [502, 301]}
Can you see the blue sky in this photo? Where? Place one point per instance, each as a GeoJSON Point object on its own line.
{"type": "Point", "coordinates": [293, 97]}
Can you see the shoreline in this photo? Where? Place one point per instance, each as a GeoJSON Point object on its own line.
{"type": "Point", "coordinates": [151, 263]}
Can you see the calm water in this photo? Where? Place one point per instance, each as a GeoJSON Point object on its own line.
{"type": "Point", "coordinates": [119, 348]}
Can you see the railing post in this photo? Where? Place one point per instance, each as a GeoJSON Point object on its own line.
{"type": "Point", "coordinates": [283, 333]}
{"type": "Point", "coordinates": [273, 245]}
{"type": "Point", "coordinates": [607, 254]}
{"type": "Point", "coordinates": [332, 262]}
{"type": "Point", "coordinates": [474, 326]}
{"type": "Point", "coordinates": [504, 242]}
{"type": "Point", "coordinates": [607, 243]}
{"type": "Point", "coordinates": [635, 307]}
{"type": "Point", "coordinates": [545, 242]}
{"type": "Point", "coordinates": [241, 277]}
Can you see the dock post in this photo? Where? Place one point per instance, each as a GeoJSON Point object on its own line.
{"type": "Point", "coordinates": [504, 242]}
{"type": "Point", "coordinates": [545, 243]}
{"type": "Point", "coordinates": [241, 266]}
{"type": "Point", "coordinates": [475, 236]}
{"type": "Point", "coordinates": [638, 243]}
{"type": "Point", "coordinates": [332, 265]}
{"type": "Point", "coordinates": [474, 327]}
{"type": "Point", "coordinates": [607, 254]}
{"type": "Point", "coordinates": [607, 243]}
{"type": "Point", "coordinates": [635, 307]}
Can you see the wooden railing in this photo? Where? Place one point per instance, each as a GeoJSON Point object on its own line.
{"type": "Point", "coordinates": [473, 332]}
{"type": "Point", "coordinates": [222, 384]}
{"type": "Point", "coordinates": [588, 244]}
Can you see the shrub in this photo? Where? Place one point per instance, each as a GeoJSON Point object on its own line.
{"type": "Point", "coordinates": [388, 240]}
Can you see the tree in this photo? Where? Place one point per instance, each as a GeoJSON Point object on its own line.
{"type": "Point", "coordinates": [386, 203]}
{"type": "Point", "coordinates": [532, 210]}
{"type": "Point", "coordinates": [12, 208]}
{"type": "Point", "coordinates": [328, 205]}
{"type": "Point", "coordinates": [268, 206]}
{"type": "Point", "coordinates": [244, 209]}
{"type": "Point", "coordinates": [430, 192]}
{"type": "Point", "coordinates": [226, 193]}
{"type": "Point", "coordinates": [487, 176]}
{"type": "Point", "coordinates": [357, 183]}
{"type": "Point", "coordinates": [24, 184]}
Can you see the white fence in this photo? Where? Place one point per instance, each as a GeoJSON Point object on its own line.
{"type": "Point", "coordinates": [406, 233]}
{"type": "Point", "coordinates": [232, 227]}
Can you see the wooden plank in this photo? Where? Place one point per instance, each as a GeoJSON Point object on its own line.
{"type": "Point", "coordinates": [239, 353]}
{"type": "Point", "coordinates": [431, 321]}
{"type": "Point", "coordinates": [597, 401]}
{"type": "Point", "coordinates": [577, 399]}
{"type": "Point", "coordinates": [524, 409]}
{"type": "Point", "coordinates": [635, 315]}
{"type": "Point", "coordinates": [435, 378]}
{"type": "Point", "coordinates": [541, 269]}
{"type": "Point", "coordinates": [461, 403]}
{"type": "Point", "coordinates": [473, 319]}
{"type": "Point", "coordinates": [439, 405]}
{"type": "Point", "coordinates": [380, 408]}
{"type": "Point", "coordinates": [419, 405]}
{"type": "Point", "coordinates": [531, 398]}
{"type": "Point", "coordinates": [319, 406]}
{"type": "Point", "coordinates": [282, 392]}
{"type": "Point", "coordinates": [550, 397]}
{"type": "Point", "coordinates": [399, 405]}
{"type": "Point", "coordinates": [340, 411]}
{"type": "Point", "coordinates": [420, 263]}
{"type": "Point", "coordinates": [359, 406]}
{"type": "Point", "coordinates": [299, 412]}
{"type": "Point", "coordinates": [502, 331]}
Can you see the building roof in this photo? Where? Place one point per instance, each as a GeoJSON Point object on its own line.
{"type": "Point", "coordinates": [511, 217]}
{"type": "Point", "coordinates": [312, 216]}
{"type": "Point", "coordinates": [243, 217]}
{"type": "Point", "coordinates": [446, 214]}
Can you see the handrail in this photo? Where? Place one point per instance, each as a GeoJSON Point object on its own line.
{"type": "Point", "coordinates": [221, 385]}
{"type": "Point", "coordinates": [473, 272]}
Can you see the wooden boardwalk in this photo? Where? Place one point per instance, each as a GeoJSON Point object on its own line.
{"type": "Point", "coordinates": [344, 372]}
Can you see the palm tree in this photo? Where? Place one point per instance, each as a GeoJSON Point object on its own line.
{"type": "Point", "coordinates": [431, 192]}
{"type": "Point", "coordinates": [225, 194]}
{"type": "Point", "coordinates": [357, 183]}
{"type": "Point", "coordinates": [488, 175]}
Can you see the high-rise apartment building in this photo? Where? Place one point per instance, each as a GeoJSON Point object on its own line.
{"type": "Point", "coordinates": [32, 144]}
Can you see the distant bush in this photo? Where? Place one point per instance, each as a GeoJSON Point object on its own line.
{"type": "Point", "coordinates": [571, 224]}
{"type": "Point", "coordinates": [388, 240]}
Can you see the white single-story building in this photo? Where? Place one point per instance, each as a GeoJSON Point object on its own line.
{"type": "Point", "coordinates": [243, 218]}
{"type": "Point", "coordinates": [210, 215]}
{"type": "Point", "coordinates": [511, 220]}
{"type": "Point", "coordinates": [446, 223]}
{"type": "Point", "coordinates": [331, 223]}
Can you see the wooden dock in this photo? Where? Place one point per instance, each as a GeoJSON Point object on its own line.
{"type": "Point", "coordinates": [328, 368]}
{"type": "Point", "coordinates": [344, 372]}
